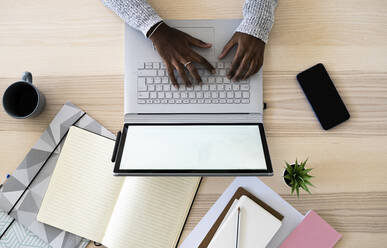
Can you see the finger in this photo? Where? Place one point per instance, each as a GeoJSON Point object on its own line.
{"type": "Point", "coordinates": [251, 71]}
{"type": "Point", "coordinates": [235, 63]}
{"type": "Point", "coordinates": [172, 75]}
{"type": "Point", "coordinates": [199, 59]}
{"type": "Point", "coordinates": [196, 42]}
{"type": "Point", "coordinates": [260, 63]}
{"type": "Point", "coordinates": [258, 67]}
{"type": "Point", "coordinates": [180, 69]}
{"type": "Point", "coordinates": [191, 68]}
{"type": "Point", "coordinates": [243, 67]}
{"type": "Point", "coordinates": [226, 49]}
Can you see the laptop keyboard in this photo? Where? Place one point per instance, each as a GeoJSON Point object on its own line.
{"type": "Point", "coordinates": [154, 87]}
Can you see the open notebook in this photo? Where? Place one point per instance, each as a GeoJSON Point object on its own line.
{"type": "Point", "coordinates": [85, 198]}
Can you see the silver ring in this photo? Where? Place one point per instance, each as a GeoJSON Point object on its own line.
{"type": "Point", "coordinates": [189, 62]}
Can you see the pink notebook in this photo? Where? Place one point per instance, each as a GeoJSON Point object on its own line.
{"type": "Point", "coordinates": [314, 232]}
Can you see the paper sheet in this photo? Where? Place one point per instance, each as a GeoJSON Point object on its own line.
{"type": "Point", "coordinates": [150, 212]}
{"type": "Point", "coordinates": [80, 199]}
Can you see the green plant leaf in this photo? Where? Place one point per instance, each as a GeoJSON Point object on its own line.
{"type": "Point", "coordinates": [289, 170]}
{"type": "Point", "coordinates": [306, 171]}
{"type": "Point", "coordinates": [305, 188]}
{"type": "Point", "coordinates": [307, 176]}
{"type": "Point", "coordinates": [309, 183]}
{"type": "Point", "coordinates": [293, 188]}
{"type": "Point", "coordinates": [298, 192]}
{"type": "Point", "coordinates": [287, 176]}
{"type": "Point", "coordinates": [287, 165]}
{"type": "Point", "coordinates": [296, 185]}
{"type": "Point", "coordinates": [304, 163]}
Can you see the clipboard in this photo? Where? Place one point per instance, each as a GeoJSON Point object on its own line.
{"type": "Point", "coordinates": [238, 194]}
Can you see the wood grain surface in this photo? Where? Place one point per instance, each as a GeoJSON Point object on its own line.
{"type": "Point", "coordinates": [75, 50]}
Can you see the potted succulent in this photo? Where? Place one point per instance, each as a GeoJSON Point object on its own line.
{"type": "Point", "coordinates": [296, 176]}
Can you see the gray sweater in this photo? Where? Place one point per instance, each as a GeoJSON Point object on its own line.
{"type": "Point", "coordinates": [258, 15]}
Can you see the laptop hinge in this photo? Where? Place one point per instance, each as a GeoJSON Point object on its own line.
{"type": "Point", "coordinates": [194, 118]}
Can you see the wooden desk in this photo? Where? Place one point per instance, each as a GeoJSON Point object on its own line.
{"type": "Point", "coordinates": [75, 51]}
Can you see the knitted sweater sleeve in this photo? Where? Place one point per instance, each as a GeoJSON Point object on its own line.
{"type": "Point", "coordinates": [137, 13]}
{"type": "Point", "coordinates": [258, 15]}
{"type": "Point", "coordinates": [258, 18]}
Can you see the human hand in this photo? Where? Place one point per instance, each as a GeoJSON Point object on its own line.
{"type": "Point", "coordinates": [248, 58]}
{"type": "Point", "coordinates": [174, 48]}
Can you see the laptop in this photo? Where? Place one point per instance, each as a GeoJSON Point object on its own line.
{"type": "Point", "coordinates": [213, 129]}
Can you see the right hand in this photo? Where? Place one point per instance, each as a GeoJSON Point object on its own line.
{"type": "Point", "coordinates": [174, 48]}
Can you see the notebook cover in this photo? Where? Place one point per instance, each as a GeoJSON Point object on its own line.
{"type": "Point", "coordinates": [35, 172]}
{"type": "Point", "coordinates": [240, 192]}
{"type": "Point", "coordinates": [19, 236]}
{"type": "Point", "coordinates": [314, 232]}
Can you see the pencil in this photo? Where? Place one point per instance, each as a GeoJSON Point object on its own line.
{"type": "Point", "coordinates": [237, 231]}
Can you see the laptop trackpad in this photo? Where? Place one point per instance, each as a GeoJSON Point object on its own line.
{"type": "Point", "coordinates": [204, 34]}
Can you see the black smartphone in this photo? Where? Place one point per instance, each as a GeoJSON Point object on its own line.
{"type": "Point", "coordinates": [323, 96]}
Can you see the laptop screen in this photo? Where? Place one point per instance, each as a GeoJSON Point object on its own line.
{"type": "Point", "coordinates": [193, 148]}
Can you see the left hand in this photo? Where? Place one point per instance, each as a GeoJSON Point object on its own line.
{"type": "Point", "coordinates": [248, 58]}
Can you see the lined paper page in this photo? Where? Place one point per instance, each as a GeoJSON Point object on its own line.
{"type": "Point", "coordinates": [150, 212]}
{"type": "Point", "coordinates": [82, 191]}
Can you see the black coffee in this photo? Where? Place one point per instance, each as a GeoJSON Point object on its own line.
{"type": "Point", "coordinates": [20, 99]}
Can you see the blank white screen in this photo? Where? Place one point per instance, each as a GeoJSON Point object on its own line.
{"type": "Point", "coordinates": [212, 147]}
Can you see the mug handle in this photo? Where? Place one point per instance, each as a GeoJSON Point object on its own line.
{"type": "Point", "coordinates": [27, 77]}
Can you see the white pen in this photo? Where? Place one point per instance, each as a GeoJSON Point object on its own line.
{"type": "Point", "coordinates": [238, 228]}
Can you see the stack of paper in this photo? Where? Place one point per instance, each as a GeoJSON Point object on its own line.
{"type": "Point", "coordinates": [256, 226]}
{"type": "Point", "coordinates": [199, 237]}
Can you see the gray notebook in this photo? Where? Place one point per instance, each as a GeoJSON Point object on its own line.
{"type": "Point", "coordinates": [22, 193]}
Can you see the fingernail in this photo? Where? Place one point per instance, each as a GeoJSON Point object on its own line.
{"type": "Point", "coordinates": [213, 71]}
{"type": "Point", "coordinates": [176, 86]}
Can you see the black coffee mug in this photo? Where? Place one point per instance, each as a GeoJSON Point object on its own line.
{"type": "Point", "coordinates": [22, 99]}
